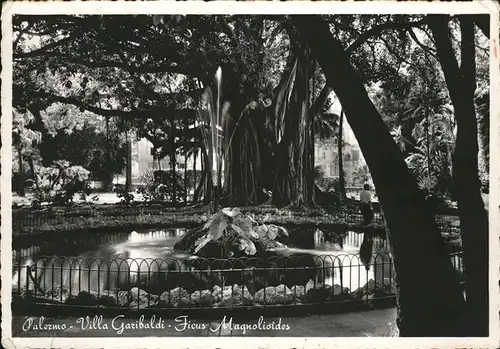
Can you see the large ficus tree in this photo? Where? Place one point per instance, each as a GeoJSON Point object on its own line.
{"type": "Point", "coordinates": [110, 67]}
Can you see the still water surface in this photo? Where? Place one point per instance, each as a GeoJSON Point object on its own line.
{"type": "Point", "coordinates": [158, 244]}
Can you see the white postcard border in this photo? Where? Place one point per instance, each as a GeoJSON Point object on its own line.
{"type": "Point", "coordinates": [257, 7]}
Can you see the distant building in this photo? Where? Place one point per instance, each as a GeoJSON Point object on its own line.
{"type": "Point", "coordinates": [326, 156]}
{"type": "Point", "coordinates": [142, 160]}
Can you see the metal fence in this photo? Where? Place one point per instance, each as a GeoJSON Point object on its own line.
{"type": "Point", "coordinates": [198, 282]}
{"type": "Point", "coordinates": [194, 283]}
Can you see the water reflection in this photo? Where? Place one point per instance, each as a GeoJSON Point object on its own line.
{"type": "Point", "coordinates": [156, 235]}
{"type": "Point", "coordinates": [149, 244]}
{"type": "Point", "coordinates": [99, 244]}
{"type": "Point", "coordinates": [349, 271]}
{"type": "Point", "coordinates": [120, 260]}
{"type": "Point", "coordinates": [99, 271]}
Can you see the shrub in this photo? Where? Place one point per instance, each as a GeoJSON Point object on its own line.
{"type": "Point", "coordinates": [237, 233]}
{"type": "Point", "coordinates": [122, 193]}
{"type": "Point", "coordinates": [57, 184]}
{"type": "Point", "coordinates": [329, 184]}
{"type": "Point", "coordinates": [158, 185]}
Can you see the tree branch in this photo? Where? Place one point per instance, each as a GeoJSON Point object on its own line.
{"type": "Point", "coordinates": [45, 48]}
{"type": "Point", "coordinates": [43, 33]}
{"type": "Point", "coordinates": [142, 69]}
{"type": "Point", "coordinates": [20, 35]}
{"type": "Point", "coordinates": [441, 33]}
{"type": "Point", "coordinates": [378, 29]}
{"type": "Point", "coordinates": [468, 53]}
{"type": "Point", "coordinates": [132, 114]}
{"type": "Point", "coordinates": [483, 23]}
{"type": "Point", "coordinates": [320, 101]}
{"type": "Point", "coordinates": [426, 48]}
{"type": "Point", "coordinates": [145, 87]}
{"type": "Point", "coordinates": [394, 52]}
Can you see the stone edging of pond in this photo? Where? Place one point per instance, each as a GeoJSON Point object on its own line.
{"type": "Point", "coordinates": [217, 297]}
{"type": "Point", "coordinates": [104, 223]}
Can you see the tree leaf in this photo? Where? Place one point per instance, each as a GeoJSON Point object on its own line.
{"type": "Point", "coordinates": [245, 224]}
{"type": "Point", "coordinates": [272, 232]}
{"type": "Point", "coordinates": [237, 229]}
{"type": "Point", "coordinates": [250, 248]}
{"type": "Point", "coordinates": [218, 225]}
{"type": "Point", "coordinates": [231, 212]}
{"type": "Point", "coordinates": [261, 231]}
{"type": "Point", "coordinates": [202, 242]}
{"type": "Point", "coordinates": [282, 231]}
{"type": "Point", "coordinates": [418, 131]}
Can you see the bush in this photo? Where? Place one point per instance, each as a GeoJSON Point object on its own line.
{"type": "Point", "coordinates": [435, 198]}
{"type": "Point", "coordinates": [59, 183]}
{"type": "Point", "coordinates": [158, 185]}
{"type": "Point", "coordinates": [329, 184]}
{"type": "Point", "coordinates": [122, 193]}
{"type": "Point", "coordinates": [231, 233]}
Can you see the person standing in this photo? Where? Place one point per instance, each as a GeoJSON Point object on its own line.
{"type": "Point", "coordinates": [365, 197]}
{"type": "Point", "coordinates": [366, 248]}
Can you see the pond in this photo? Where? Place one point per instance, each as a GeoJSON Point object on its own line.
{"type": "Point", "coordinates": [159, 243]}
{"type": "Point", "coordinates": [112, 261]}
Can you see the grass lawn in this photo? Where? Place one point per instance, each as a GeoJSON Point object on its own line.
{"type": "Point", "coordinates": [107, 215]}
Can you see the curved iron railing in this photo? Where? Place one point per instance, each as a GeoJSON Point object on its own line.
{"type": "Point", "coordinates": [194, 282]}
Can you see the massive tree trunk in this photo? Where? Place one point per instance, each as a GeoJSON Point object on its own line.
{"type": "Point", "coordinates": [341, 155]}
{"type": "Point", "coordinates": [33, 173]}
{"type": "Point", "coordinates": [173, 170]}
{"type": "Point", "coordinates": [128, 176]}
{"type": "Point", "coordinates": [20, 185]}
{"type": "Point", "coordinates": [205, 186]}
{"type": "Point", "coordinates": [430, 302]}
{"type": "Point", "coordinates": [461, 82]}
{"type": "Point", "coordinates": [185, 180]}
{"type": "Point", "coordinates": [310, 136]}
{"type": "Point", "coordinates": [242, 167]}
{"type": "Point", "coordinates": [185, 124]}
{"type": "Point", "coordinates": [195, 159]}
{"type": "Point", "coordinates": [108, 175]}
{"type": "Point", "coordinates": [238, 179]}
{"type": "Point", "coordinates": [483, 137]}
{"type": "Point", "coordinates": [294, 182]}
{"type": "Point", "coordinates": [291, 177]}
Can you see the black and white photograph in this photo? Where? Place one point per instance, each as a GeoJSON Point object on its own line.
{"type": "Point", "coordinates": [249, 174]}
